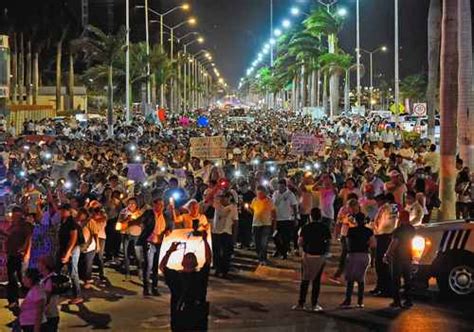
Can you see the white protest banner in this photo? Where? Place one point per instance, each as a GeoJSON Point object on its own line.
{"type": "Point", "coordinates": [209, 147]}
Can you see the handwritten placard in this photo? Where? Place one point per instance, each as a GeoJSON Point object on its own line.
{"type": "Point", "coordinates": [209, 147]}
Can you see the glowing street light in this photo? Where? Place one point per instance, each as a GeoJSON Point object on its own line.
{"type": "Point", "coordinates": [295, 11]}
{"type": "Point", "coordinates": [286, 23]}
{"type": "Point", "coordinates": [342, 12]}
{"type": "Point", "coordinates": [277, 32]}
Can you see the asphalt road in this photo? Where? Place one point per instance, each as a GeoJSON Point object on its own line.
{"type": "Point", "coordinates": [247, 303]}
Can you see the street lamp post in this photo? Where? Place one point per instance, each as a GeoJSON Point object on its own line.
{"type": "Point", "coordinates": [147, 39]}
{"type": "Point", "coordinates": [127, 61]}
{"type": "Point", "coordinates": [162, 25]}
{"type": "Point", "coordinates": [371, 56]}
{"type": "Point", "coordinates": [397, 74]}
{"type": "Point", "coordinates": [358, 50]}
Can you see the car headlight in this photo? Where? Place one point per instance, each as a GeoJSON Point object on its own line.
{"type": "Point", "coordinates": [418, 245]}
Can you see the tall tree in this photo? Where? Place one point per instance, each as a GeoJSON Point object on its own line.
{"type": "Point", "coordinates": [448, 105]}
{"type": "Point", "coordinates": [466, 96]}
{"type": "Point", "coordinates": [103, 50]}
{"type": "Point", "coordinates": [434, 39]}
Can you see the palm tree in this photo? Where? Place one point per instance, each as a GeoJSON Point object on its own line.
{"type": "Point", "coordinates": [465, 97]}
{"type": "Point", "coordinates": [333, 64]}
{"type": "Point", "coordinates": [103, 50]}
{"type": "Point", "coordinates": [323, 22]}
{"type": "Point", "coordinates": [434, 39]}
{"type": "Point", "coordinates": [448, 103]}
{"type": "Point", "coordinates": [413, 87]}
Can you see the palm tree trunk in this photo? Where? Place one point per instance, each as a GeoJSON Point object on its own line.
{"type": "Point", "coordinates": [304, 87]}
{"type": "Point", "coordinates": [59, 50]}
{"type": "Point", "coordinates": [110, 101]}
{"type": "Point", "coordinates": [347, 88]}
{"type": "Point", "coordinates": [314, 83]}
{"type": "Point", "coordinates": [21, 70]}
{"type": "Point", "coordinates": [318, 87]}
{"type": "Point", "coordinates": [448, 103]}
{"type": "Point", "coordinates": [29, 99]}
{"type": "Point", "coordinates": [434, 39]}
{"type": "Point", "coordinates": [293, 94]}
{"type": "Point", "coordinates": [35, 77]}
{"type": "Point", "coordinates": [465, 97]}
{"type": "Point", "coordinates": [14, 81]}
{"type": "Point", "coordinates": [334, 93]}
{"type": "Point", "coordinates": [325, 93]}
{"type": "Point", "coordinates": [70, 82]}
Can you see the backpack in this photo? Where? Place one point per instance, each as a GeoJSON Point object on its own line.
{"type": "Point", "coordinates": [61, 284]}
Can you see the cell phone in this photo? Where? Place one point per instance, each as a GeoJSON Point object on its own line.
{"type": "Point", "coordinates": [181, 246]}
{"type": "Point", "coordinates": [195, 224]}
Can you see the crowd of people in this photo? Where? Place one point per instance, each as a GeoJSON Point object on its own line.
{"type": "Point", "coordinates": [79, 198]}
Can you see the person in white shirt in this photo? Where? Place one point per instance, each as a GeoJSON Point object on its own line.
{"type": "Point", "coordinates": [414, 209]}
{"type": "Point", "coordinates": [225, 216]}
{"type": "Point", "coordinates": [286, 208]}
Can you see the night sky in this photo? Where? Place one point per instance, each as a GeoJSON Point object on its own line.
{"type": "Point", "coordinates": [235, 30]}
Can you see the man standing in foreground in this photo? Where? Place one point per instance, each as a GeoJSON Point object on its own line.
{"type": "Point", "coordinates": [225, 216]}
{"type": "Point", "coordinates": [151, 237]}
{"type": "Point", "coordinates": [189, 308]}
{"type": "Point", "coordinates": [286, 207]}
{"type": "Point", "coordinates": [399, 256]}
{"type": "Point", "coordinates": [263, 222]}
{"type": "Point", "coordinates": [314, 240]}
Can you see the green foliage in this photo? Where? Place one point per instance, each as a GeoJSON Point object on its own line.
{"type": "Point", "coordinates": [413, 87]}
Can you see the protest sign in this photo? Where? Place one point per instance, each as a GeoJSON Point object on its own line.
{"type": "Point", "coordinates": [136, 172]}
{"type": "Point", "coordinates": [306, 144]}
{"type": "Point", "coordinates": [209, 147]}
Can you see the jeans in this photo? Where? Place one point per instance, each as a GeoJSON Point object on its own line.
{"type": "Point", "coordinates": [314, 291]}
{"type": "Point", "coordinates": [14, 272]}
{"type": "Point", "coordinates": [342, 259]}
{"type": "Point", "coordinates": [283, 238]}
{"type": "Point", "coordinates": [73, 269]}
{"type": "Point", "coordinates": [222, 245]}
{"type": "Point", "coordinates": [150, 265]}
{"type": "Point", "coordinates": [87, 261]}
{"type": "Point", "coordinates": [401, 269]}
{"type": "Point", "coordinates": [100, 257]}
{"type": "Point", "coordinates": [382, 269]}
{"type": "Point", "coordinates": [261, 236]}
{"type": "Point", "coordinates": [128, 240]}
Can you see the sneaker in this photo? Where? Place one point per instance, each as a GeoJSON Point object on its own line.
{"type": "Point", "coordinates": [316, 308]}
{"type": "Point", "coordinates": [76, 300]}
{"type": "Point", "coordinates": [360, 306]}
{"type": "Point", "coordinates": [298, 307]}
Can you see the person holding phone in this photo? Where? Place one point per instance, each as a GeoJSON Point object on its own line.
{"type": "Point", "coordinates": [186, 220]}
{"type": "Point", "coordinates": [188, 306]}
